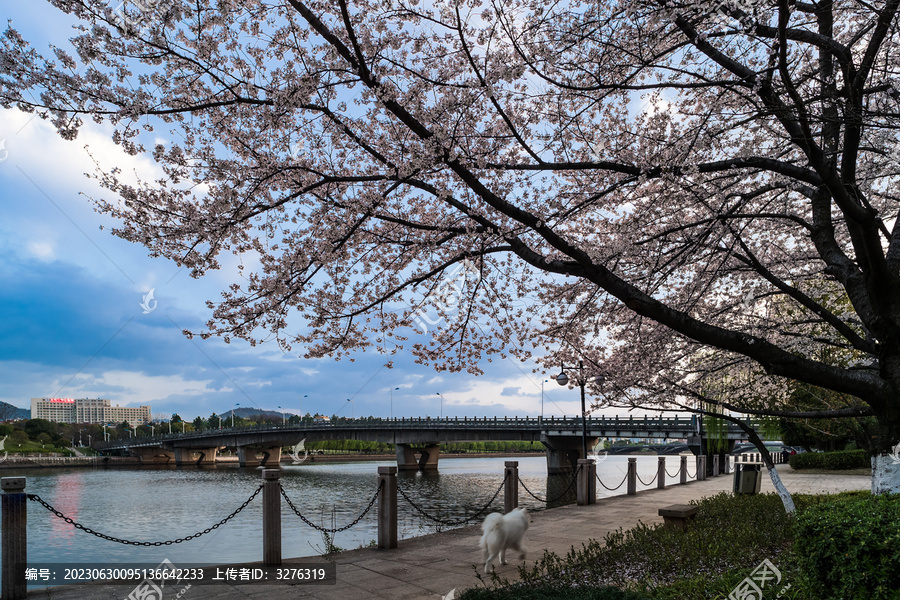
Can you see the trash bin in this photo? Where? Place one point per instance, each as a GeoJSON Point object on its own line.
{"type": "Point", "coordinates": [747, 478]}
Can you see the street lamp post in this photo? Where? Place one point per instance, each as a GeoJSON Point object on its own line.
{"type": "Point", "coordinates": [442, 404]}
{"type": "Point", "coordinates": [351, 407]}
{"type": "Point", "coordinates": [282, 416]}
{"type": "Point", "coordinates": [543, 381]}
{"type": "Point", "coordinates": [392, 400]}
{"type": "Point", "coordinates": [232, 414]}
{"type": "Point", "coordinates": [563, 379]}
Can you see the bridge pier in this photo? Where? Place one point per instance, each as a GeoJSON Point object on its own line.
{"type": "Point", "coordinates": [207, 456]}
{"type": "Point", "coordinates": [185, 456]}
{"type": "Point", "coordinates": [248, 456]}
{"type": "Point", "coordinates": [563, 452]}
{"type": "Point", "coordinates": [427, 461]}
{"type": "Point", "coordinates": [153, 455]}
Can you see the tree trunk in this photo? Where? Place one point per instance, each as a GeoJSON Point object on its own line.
{"type": "Point", "coordinates": [886, 472]}
{"type": "Point", "coordinates": [779, 487]}
{"type": "Point", "coordinates": [785, 495]}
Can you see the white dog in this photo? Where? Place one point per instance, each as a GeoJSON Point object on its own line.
{"type": "Point", "coordinates": [503, 532]}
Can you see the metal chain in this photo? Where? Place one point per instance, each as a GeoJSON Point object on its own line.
{"type": "Point", "coordinates": [638, 475]}
{"type": "Point", "coordinates": [446, 522]}
{"type": "Point", "coordinates": [72, 522]}
{"type": "Point", "coordinates": [677, 471]}
{"type": "Point", "coordinates": [688, 473]}
{"type": "Point", "coordinates": [561, 496]}
{"type": "Point", "coordinates": [612, 489]}
{"type": "Point", "coordinates": [337, 529]}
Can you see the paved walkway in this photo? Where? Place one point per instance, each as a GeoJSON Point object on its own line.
{"type": "Point", "coordinates": [433, 565]}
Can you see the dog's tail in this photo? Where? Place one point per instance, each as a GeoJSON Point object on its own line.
{"type": "Point", "coordinates": [491, 523]}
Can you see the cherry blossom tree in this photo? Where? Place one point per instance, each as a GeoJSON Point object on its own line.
{"type": "Point", "coordinates": [668, 191]}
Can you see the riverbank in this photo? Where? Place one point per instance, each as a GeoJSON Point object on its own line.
{"type": "Point", "coordinates": [49, 462]}
{"type": "Point", "coordinates": [431, 566]}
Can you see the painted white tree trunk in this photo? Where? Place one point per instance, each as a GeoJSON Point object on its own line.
{"type": "Point", "coordinates": [782, 491]}
{"type": "Point", "coordinates": [886, 474]}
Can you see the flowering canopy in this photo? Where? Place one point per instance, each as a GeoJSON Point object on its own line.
{"type": "Point", "coordinates": [679, 193]}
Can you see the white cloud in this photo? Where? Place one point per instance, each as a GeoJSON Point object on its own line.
{"type": "Point", "coordinates": [44, 251]}
{"type": "Point", "coordinates": [134, 388]}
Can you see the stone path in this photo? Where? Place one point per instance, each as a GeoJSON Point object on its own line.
{"type": "Point", "coordinates": [433, 565]}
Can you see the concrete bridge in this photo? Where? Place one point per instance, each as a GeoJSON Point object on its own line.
{"type": "Point", "coordinates": [416, 439]}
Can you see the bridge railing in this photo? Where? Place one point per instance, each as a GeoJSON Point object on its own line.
{"type": "Point", "coordinates": [661, 423]}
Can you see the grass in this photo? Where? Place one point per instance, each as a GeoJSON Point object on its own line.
{"type": "Point", "coordinates": [729, 538]}
{"type": "Point", "coordinates": [31, 447]}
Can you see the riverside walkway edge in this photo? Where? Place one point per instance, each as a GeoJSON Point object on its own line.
{"type": "Point", "coordinates": [431, 566]}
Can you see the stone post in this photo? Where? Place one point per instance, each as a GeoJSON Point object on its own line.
{"type": "Point", "coordinates": [13, 544]}
{"type": "Point", "coordinates": [387, 507]}
{"type": "Point", "coordinates": [701, 467]}
{"type": "Point", "coordinates": [661, 473]}
{"type": "Point", "coordinates": [592, 482]}
{"type": "Point", "coordinates": [271, 517]}
{"type": "Point", "coordinates": [585, 492]}
{"type": "Point", "coordinates": [715, 465]}
{"type": "Point", "coordinates": [511, 485]}
{"type": "Point", "coordinates": [683, 470]}
{"type": "Point", "coordinates": [632, 476]}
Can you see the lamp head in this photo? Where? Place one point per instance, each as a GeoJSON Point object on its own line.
{"type": "Point", "coordinates": [562, 378]}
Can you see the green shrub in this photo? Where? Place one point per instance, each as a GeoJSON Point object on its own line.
{"type": "Point", "coordinates": [848, 459]}
{"type": "Point", "coordinates": [849, 547]}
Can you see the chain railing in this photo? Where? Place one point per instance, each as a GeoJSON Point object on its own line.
{"type": "Point", "coordinates": [564, 493]}
{"type": "Point", "coordinates": [676, 474]}
{"type": "Point", "coordinates": [447, 522]}
{"type": "Point", "coordinates": [688, 473]}
{"type": "Point", "coordinates": [612, 489]}
{"type": "Point", "coordinates": [331, 531]}
{"type": "Point", "coordinates": [638, 475]}
{"type": "Point", "coordinates": [77, 525]}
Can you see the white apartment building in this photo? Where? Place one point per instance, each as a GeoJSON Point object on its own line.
{"type": "Point", "coordinates": [87, 410]}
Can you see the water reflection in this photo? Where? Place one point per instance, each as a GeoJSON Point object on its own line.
{"type": "Point", "coordinates": [164, 503]}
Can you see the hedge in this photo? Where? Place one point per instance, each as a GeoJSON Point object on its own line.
{"type": "Point", "coordinates": [849, 548]}
{"type": "Point", "coordinates": [848, 459]}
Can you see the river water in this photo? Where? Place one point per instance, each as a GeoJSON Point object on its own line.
{"type": "Point", "coordinates": [164, 503]}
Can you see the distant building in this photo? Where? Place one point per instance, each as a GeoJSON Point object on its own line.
{"type": "Point", "coordinates": [87, 410]}
{"type": "Point", "coordinates": [321, 420]}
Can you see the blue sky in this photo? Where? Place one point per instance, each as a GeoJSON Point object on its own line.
{"type": "Point", "coordinates": [73, 325]}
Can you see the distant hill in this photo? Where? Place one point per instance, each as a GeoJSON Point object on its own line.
{"type": "Point", "coordinates": [255, 413]}
{"type": "Point", "coordinates": [8, 412]}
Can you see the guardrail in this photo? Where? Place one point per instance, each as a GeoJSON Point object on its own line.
{"type": "Point", "coordinates": [13, 504]}
{"type": "Point", "coordinates": [681, 424]}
